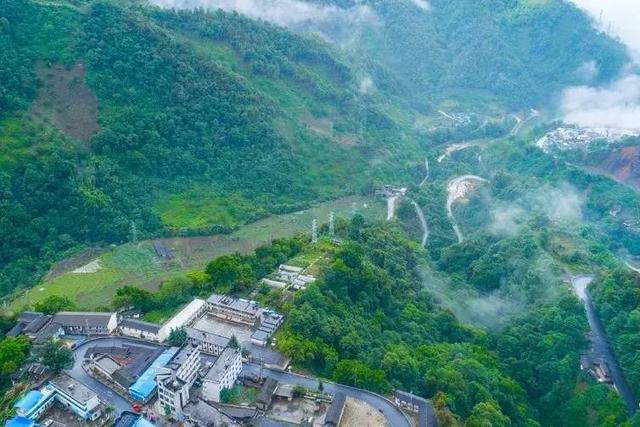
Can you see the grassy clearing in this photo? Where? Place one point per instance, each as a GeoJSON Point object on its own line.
{"type": "Point", "coordinates": [138, 265]}
{"type": "Point", "coordinates": [199, 208]}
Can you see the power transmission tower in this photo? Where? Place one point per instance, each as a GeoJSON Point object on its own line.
{"type": "Point", "coordinates": [134, 232]}
{"type": "Point", "coordinates": [354, 209]}
{"type": "Point", "coordinates": [332, 230]}
{"type": "Point", "coordinates": [314, 231]}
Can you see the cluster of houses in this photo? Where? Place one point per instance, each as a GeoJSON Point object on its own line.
{"type": "Point", "coordinates": [71, 394]}
{"type": "Point", "coordinates": [289, 277]}
{"type": "Point", "coordinates": [185, 382]}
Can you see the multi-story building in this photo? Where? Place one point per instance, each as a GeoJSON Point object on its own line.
{"type": "Point", "coordinates": [234, 309]}
{"type": "Point", "coordinates": [207, 342]}
{"type": "Point", "coordinates": [76, 396]}
{"type": "Point", "coordinates": [86, 323]}
{"type": "Point", "coordinates": [177, 377]}
{"type": "Point", "coordinates": [140, 329]}
{"type": "Point", "coordinates": [222, 375]}
{"type": "Point", "coordinates": [67, 391]}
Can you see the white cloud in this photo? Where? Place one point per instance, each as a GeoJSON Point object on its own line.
{"type": "Point", "coordinates": [422, 4]}
{"type": "Point", "coordinates": [332, 22]}
{"type": "Point", "coordinates": [616, 106]}
{"type": "Point", "coordinates": [366, 85]}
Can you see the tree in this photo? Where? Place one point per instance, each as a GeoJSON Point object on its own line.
{"type": "Point", "coordinates": [233, 342]}
{"type": "Point", "coordinates": [299, 390]}
{"type": "Point", "coordinates": [54, 355]}
{"type": "Point", "coordinates": [53, 304]}
{"type": "Point", "coordinates": [13, 352]}
{"type": "Point", "coordinates": [229, 273]}
{"type": "Point", "coordinates": [177, 337]}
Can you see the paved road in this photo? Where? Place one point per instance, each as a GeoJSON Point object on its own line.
{"type": "Point", "coordinates": [395, 417]}
{"type": "Point", "coordinates": [105, 394]}
{"type": "Point", "coordinates": [600, 348]}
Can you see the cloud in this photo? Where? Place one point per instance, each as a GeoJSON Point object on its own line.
{"type": "Point", "coordinates": [616, 106]}
{"type": "Point", "coordinates": [337, 24]}
{"type": "Point", "coordinates": [506, 220]}
{"type": "Point", "coordinates": [422, 4]}
{"type": "Point", "coordinates": [366, 85]}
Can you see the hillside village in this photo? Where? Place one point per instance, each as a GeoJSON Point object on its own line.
{"type": "Point", "coordinates": [213, 363]}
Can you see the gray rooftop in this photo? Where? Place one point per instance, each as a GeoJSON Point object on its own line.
{"type": "Point", "coordinates": [83, 319]}
{"type": "Point", "coordinates": [36, 324]}
{"type": "Point", "coordinates": [221, 364]}
{"type": "Point", "coordinates": [334, 413]}
{"type": "Point", "coordinates": [207, 337]}
{"type": "Point", "coordinates": [107, 363]}
{"type": "Point", "coordinates": [141, 325]}
{"type": "Point", "coordinates": [47, 332]}
{"type": "Point", "coordinates": [206, 414]}
{"type": "Point", "coordinates": [73, 388]}
{"type": "Point", "coordinates": [236, 304]}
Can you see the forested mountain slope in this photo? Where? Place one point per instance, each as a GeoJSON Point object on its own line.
{"type": "Point", "coordinates": [117, 118]}
{"type": "Point", "coordinates": [513, 52]}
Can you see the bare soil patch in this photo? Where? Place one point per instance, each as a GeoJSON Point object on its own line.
{"type": "Point", "coordinates": [360, 414]}
{"type": "Point", "coordinates": [65, 101]}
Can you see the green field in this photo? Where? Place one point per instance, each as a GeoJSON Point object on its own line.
{"type": "Point", "coordinates": [137, 264]}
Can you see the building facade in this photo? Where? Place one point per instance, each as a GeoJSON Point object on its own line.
{"type": "Point", "coordinates": [222, 375]}
{"type": "Point", "coordinates": [86, 323]}
{"type": "Point", "coordinates": [207, 342]}
{"type": "Point", "coordinates": [140, 329]}
{"type": "Point", "coordinates": [233, 309]}
{"type": "Point", "coordinates": [177, 377]}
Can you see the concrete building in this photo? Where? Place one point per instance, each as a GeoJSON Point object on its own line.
{"type": "Point", "coordinates": [76, 396]}
{"type": "Point", "coordinates": [335, 411]}
{"type": "Point", "coordinates": [263, 401]}
{"type": "Point", "coordinates": [67, 391]}
{"type": "Point", "coordinates": [419, 405]}
{"type": "Point", "coordinates": [201, 414]}
{"type": "Point", "coordinates": [222, 375]}
{"type": "Point", "coordinates": [145, 386]}
{"type": "Point", "coordinates": [269, 322]}
{"type": "Point", "coordinates": [177, 377]}
{"type": "Point", "coordinates": [207, 342]}
{"type": "Point", "coordinates": [86, 323]}
{"type": "Point", "coordinates": [234, 309]}
{"type": "Point", "coordinates": [140, 329]}
{"type": "Point", "coordinates": [186, 316]}
{"type": "Point", "coordinates": [288, 273]}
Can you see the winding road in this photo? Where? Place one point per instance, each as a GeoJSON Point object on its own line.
{"type": "Point", "coordinates": [423, 222]}
{"type": "Point", "coordinates": [600, 348]}
{"type": "Point", "coordinates": [458, 188]}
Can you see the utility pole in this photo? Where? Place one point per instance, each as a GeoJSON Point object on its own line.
{"type": "Point", "coordinates": [332, 230]}
{"type": "Point", "coordinates": [134, 232]}
{"type": "Point", "coordinates": [314, 231]}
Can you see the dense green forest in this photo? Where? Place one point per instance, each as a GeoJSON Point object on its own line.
{"type": "Point", "coordinates": [117, 116]}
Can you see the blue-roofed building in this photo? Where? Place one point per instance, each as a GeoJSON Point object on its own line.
{"type": "Point", "coordinates": [145, 386]}
{"type": "Point", "coordinates": [19, 422]}
{"type": "Point", "coordinates": [132, 419]}
{"type": "Point", "coordinates": [33, 404]}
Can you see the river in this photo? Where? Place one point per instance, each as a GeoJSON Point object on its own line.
{"type": "Point", "coordinates": [600, 348]}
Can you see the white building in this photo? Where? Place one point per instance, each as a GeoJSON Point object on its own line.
{"type": "Point", "coordinates": [86, 323]}
{"type": "Point", "coordinates": [187, 315]}
{"type": "Point", "coordinates": [288, 273]}
{"type": "Point", "coordinates": [222, 375]}
{"type": "Point", "coordinates": [207, 342]}
{"type": "Point", "coordinates": [140, 329]}
{"type": "Point", "coordinates": [177, 377]}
